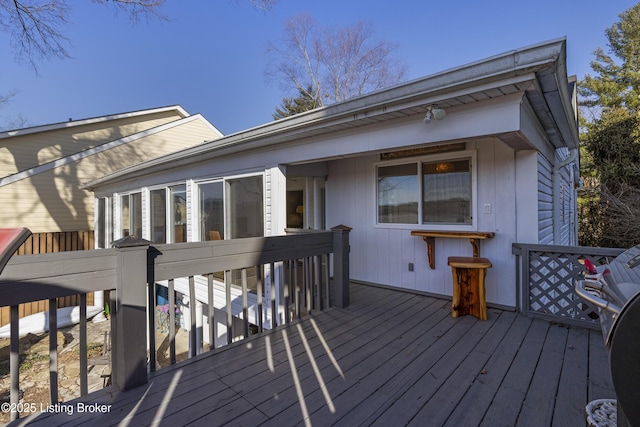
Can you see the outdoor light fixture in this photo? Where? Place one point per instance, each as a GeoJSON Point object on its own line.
{"type": "Point", "coordinates": [434, 113]}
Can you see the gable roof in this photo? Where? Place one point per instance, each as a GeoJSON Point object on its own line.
{"type": "Point", "coordinates": [74, 123]}
{"type": "Point", "coordinates": [101, 148]}
{"type": "Point", "coordinates": [538, 71]}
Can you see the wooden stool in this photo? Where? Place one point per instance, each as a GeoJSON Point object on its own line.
{"type": "Point", "coordinates": [468, 286]}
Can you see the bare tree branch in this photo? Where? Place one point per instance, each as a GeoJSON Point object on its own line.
{"type": "Point", "coordinates": [337, 63]}
{"type": "Point", "coordinates": [35, 26]}
{"type": "Point", "coordinates": [137, 9]}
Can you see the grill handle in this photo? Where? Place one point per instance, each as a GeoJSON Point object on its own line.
{"type": "Point", "coordinates": [595, 299]}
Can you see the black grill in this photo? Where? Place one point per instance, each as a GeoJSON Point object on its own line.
{"type": "Point", "coordinates": [615, 289]}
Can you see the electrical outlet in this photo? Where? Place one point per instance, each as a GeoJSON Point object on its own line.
{"type": "Point", "coordinates": [487, 208]}
{"type": "Point", "coordinates": [410, 266]}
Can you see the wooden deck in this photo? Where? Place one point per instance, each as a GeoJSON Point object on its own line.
{"type": "Point", "coordinates": [389, 359]}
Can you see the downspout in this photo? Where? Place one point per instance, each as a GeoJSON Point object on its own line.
{"type": "Point", "coordinates": [557, 196]}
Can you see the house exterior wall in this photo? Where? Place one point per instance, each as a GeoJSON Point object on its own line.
{"type": "Point", "coordinates": [52, 200]}
{"type": "Point", "coordinates": [556, 201]}
{"type": "Point", "coordinates": [505, 182]}
{"type": "Point", "coordinates": [566, 202]}
{"type": "Point", "coordinates": [381, 253]}
{"type": "Point", "coordinates": [24, 152]}
{"type": "Point", "coordinates": [545, 201]}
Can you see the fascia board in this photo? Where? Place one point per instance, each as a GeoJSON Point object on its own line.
{"type": "Point", "coordinates": [74, 123]}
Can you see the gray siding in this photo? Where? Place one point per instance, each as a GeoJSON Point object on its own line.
{"type": "Point", "coordinates": [545, 201]}
{"type": "Point", "coordinates": [382, 253]}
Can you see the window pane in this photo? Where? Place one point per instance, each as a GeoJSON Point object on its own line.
{"type": "Point", "coordinates": [124, 215]}
{"type": "Point", "coordinates": [211, 211]}
{"type": "Point", "coordinates": [398, 194]}
{"type": "Point", "coordinates": [245, 207]}
{"type": "Point", "coordinates": [178, 212]}
{"type": "Point", "coordinates": [102, 222]}
{"type": "Point", "coordinates": [159, 216]}
{"type": "Point", "coordinates": [446, 193]}
{"type": "Point", "coordinates": [136, 214]}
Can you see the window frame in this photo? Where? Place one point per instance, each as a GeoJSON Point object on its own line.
{"type": "Point", "coordinates": [419, 161]}
{"type": "Point", "coordinates": [224, 180]}
{"type": "Point", "coordinates": [119, 214]}
{"type": "Point", "coordinates": [104, 222]}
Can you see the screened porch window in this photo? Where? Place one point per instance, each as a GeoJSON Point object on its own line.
{"type": "Point", "coordinates": [425, 192]}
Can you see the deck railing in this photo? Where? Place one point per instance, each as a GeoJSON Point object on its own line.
{"type": "Point", "coordinates": [45, 243]}
{"type": "Point", "coordinates": [257, 283]}
{"type": "Point", "coordinates": [546, 276]}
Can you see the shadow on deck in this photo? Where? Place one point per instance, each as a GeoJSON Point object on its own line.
{"type": "Point", "coordinates": [390, 358]}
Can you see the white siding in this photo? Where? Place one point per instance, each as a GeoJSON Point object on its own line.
{"type": "Point", "coordinates": [146, 218]}
{"type": "Point", "coordinates": [192, 207]}
{"type": "Point", "coordinates": [381, 254]}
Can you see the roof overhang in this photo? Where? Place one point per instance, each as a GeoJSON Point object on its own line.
{"type": "Point", "coordinates": [538, 72]}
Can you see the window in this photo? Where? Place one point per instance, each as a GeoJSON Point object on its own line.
{"type": "Point", "coordinates": [446, 192]}
{"type": "Point", "coordinates": [210, 201]}
{"type": "Point", "coordinates": [131, 214]}
{"type": "Point", "coordinates": [158, 215]}
{"type": "Point", "coordinates": [231, 208]}
{"type": "Point", "coordinates": [245, 203]}
{"type": "Point", "coordinates": [178, 213]}
{"type": "Point", "coordinates": [398, 194]}
{"type": "Point", "coordinates": [104, 222]}
{"type": "Point", "coordinates": [429, 191]}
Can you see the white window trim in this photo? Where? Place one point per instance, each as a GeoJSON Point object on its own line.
{"type": "Point", "coordinates": [465, 154]}
{"type": "Point", "coordinates": [195, 215]}
{"type": "Point", "coordinates": [117, 220]}
{"type": "Point", "coordinates": [195, 220]}
{"type": "Point", "coordinates": [107, 221]}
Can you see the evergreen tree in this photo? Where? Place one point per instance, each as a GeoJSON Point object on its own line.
{"type": "Point", "coordinates": [305, 101]}
{"type": "Point", "coordinates": [617, 83]}
{"type": "Point", "coordinates": [610, 200]}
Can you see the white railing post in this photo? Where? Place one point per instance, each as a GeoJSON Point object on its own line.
{"type": "Point", "coordinates": [129, 331]}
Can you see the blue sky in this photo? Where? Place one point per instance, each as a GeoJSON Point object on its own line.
{"type": "Point", "coordinates": [210, 57]}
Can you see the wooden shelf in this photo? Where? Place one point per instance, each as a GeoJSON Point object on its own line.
{"type": "Point", "coordinates": [430, 236]}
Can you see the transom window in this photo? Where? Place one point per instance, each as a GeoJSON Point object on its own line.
{"type": "Point", "coordinates": [427, 191]}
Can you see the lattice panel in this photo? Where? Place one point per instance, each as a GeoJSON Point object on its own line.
{"type": "Point", "coordinates": [552, 278]}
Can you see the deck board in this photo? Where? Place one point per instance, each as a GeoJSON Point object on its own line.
{"type": "Point", "coordinates": [390, 358]}
{"type": "Point", "coordinates": [473, 406]}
